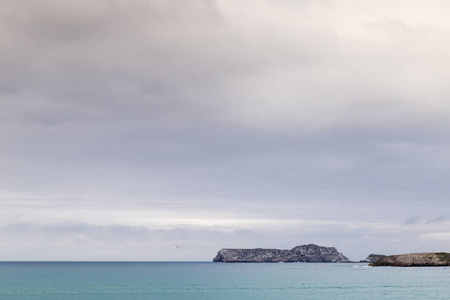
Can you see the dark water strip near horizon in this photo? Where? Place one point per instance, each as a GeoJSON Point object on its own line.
{"type": "Point", "coordinates": [207, 280]}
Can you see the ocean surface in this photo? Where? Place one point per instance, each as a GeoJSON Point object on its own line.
{"type": "Point", "coordinates": [207, 280]}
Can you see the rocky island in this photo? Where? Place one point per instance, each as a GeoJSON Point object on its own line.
{"type": "Point", "coordinates": [372, 257]}
{"type": "Point", "coordinates": [427, 259]}
{"type": "Point", "coordinates": [304, 253]}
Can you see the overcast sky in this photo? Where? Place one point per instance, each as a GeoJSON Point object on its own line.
{"type": "Point", "coordinates": [128, 126]}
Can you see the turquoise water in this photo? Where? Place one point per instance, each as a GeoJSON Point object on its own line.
{"type": "Point", "coordinates": [205, 280]}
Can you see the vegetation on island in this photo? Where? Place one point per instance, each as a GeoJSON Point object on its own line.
{"type": "Point", "coordinates": [444, 256]}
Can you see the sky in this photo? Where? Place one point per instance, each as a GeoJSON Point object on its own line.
{"type": "Point", "coordinates": [127, 127]}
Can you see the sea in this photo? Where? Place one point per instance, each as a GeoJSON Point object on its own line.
{"type": "Point", "coordinates": [207, 280]}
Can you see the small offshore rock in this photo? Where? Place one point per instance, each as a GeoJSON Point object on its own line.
{"type": "Point", "coordinates": [372, 258]}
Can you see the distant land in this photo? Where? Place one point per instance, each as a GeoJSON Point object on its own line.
{"type": "Point", "coordinates": [372, 257]}
{"type": "Point", "coordinates": [304, 253]}
{"type": "Point", "coordinates": [426, 259]}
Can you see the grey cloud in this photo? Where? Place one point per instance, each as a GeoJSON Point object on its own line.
{"type": "Point", "coordinates": [412, 220]}
{"type": "Point", "coordinates": [439, 219]}
{"type": "Point", "coordinates": [19, 227]}
{"type": "Point", "coordinates": [418, 220]}
{"type": "Point", "coordinates": [119, 231]}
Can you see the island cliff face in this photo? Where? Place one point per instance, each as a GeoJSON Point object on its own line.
{"type": "Point", "coordinates": [305, 253]}
{"type": "Point", "coordinates": [427, 259]}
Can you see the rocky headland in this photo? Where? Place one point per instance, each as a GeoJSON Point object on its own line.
{"type": "Point", "coordinates": [427, 259]}
{"type": "Point", "coordinates": [304, 253]}
{"type": "Point", "coordinates": [372, 257]}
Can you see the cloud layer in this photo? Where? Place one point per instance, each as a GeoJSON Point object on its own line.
{"type": "Point", "coordinates": [222, 124]}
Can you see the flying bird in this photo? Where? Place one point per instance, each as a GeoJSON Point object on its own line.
{"type": "Point", "coordinates": [176, 246]}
